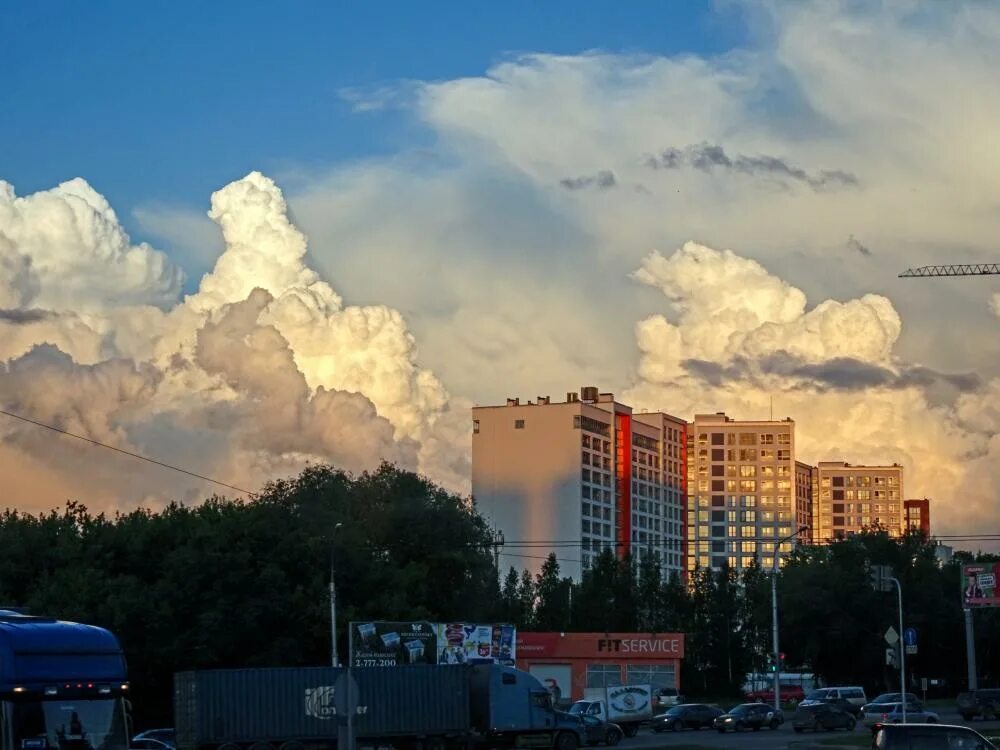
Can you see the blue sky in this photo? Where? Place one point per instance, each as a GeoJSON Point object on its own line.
{"type": "Point", "coordinates": [166, 102]}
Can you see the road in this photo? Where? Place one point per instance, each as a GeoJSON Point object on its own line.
{"type": "Point", "coordinates": [783, 737]}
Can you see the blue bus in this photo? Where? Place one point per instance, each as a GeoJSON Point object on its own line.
{"type": "Point", "coordinates": [63, 686]}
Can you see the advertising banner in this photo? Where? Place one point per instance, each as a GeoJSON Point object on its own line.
{"type": "Point", "coordinates": [391, 644]}
{"type": "Point", "coordinates": [462, 643]}
{"type": "Point", "coordinates": [979, 585]}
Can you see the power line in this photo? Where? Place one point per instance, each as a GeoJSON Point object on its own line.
{"type": "Point", "coordinates": [99, 444]}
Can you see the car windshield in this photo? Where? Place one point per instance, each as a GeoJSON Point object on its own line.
{"type": "Point", "coordinates": [742, 709]}
{"type": "Point", "coordinates": [676, 710]}
{"type": "Point", "coordinates": [69, 725]}
{"type": "Point", "coordinates": [886, 698]}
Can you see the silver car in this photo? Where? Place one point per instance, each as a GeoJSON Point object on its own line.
{"type": "Point", "coordinates": [892, 713]}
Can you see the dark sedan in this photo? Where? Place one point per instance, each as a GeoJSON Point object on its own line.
{"type": "Point", "coordinates": [749, 716]}
{"type": "Point", "coordinates": [685, 716]}
{"type": "Point", "coordinates": [601, 732]}
{"type": "Point", "coordinates": [825, 716]}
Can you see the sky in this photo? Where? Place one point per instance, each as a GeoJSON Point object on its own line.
{"type": "Point", "coordinates": [244, 239]}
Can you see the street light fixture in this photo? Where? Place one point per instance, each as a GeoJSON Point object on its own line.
{"type": "Point", "coordinates": [333, 601]}
{"type": "Point", "coordinates": [774, 615]}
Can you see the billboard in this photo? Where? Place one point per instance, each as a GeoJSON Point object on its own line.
{"type": "Point", "coordinates": [979, 585]}
{"type": "Point", "coordinates": [391, 644]}
{"type": "Point", "coordinates": [462, 643]}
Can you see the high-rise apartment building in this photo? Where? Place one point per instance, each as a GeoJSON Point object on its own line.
{"type": "Point", "coordinates": [917, 515]}
{"type": "Point", "coordinates": [578, 477]}
{"type": "Point", "coordinates": [741, 491]}
{"type": "Point", "coordinates": [851, 498]}
{"type": "Point", "coordinates": [805, 476]}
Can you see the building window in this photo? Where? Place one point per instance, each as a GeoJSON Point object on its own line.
{"type": "Point", "coordinates": [784, 438]}
{"type": "Point", "coordinates": [748, 438]}
{"type": "Point", "coordinates": [767, 439]}
{"type": "Point", "coordinates": [475, 426]}
{"type": "Point", "coordinates": [603, 675]}
{"type": "Point", "coordinates": [518, 424]}
{"type": "Point", "coordinates": [657, 676]}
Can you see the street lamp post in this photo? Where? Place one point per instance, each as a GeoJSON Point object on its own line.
{"type": "Point", "coordinates": [774, 615]}
{"type": "Point", "coordinates": [333, 601]}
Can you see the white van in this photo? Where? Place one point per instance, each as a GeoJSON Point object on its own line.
{"type": "Point", "coordinates": [851, 698]}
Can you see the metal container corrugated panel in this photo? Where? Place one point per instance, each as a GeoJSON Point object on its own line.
{"type": "Point", "coordinates": [246, 705]}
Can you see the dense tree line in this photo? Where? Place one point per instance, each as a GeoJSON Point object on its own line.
{"type": "Point", "coordinates": [231, 583]}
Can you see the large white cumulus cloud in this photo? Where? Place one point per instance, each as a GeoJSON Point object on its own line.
{"type": "Point", "coordinates": [261, 370]}
{"type": "Point", "coordinates": [740, 339]}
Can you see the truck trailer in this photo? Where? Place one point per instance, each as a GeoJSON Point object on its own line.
{"type": "Point", "coordinates": [432, 707]}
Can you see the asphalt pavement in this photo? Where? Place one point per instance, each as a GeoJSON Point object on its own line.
{"type": "Point", "coordinates": [781, 738]}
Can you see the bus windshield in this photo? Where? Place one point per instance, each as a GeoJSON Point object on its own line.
{"type": "Point", "coordinates": [69, 725]}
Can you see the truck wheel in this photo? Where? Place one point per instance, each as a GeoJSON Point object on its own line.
{"type": "Point", "coordinates": [613, 738]}
{"type": "Point", "coordinates": [566, 741]}
{"type": "Point", "coordinates": [631, 730]}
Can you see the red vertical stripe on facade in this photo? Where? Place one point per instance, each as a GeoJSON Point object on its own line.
{"type": "Point", "coordinates": [684, 503]}
{"type": "Point", "coordinates": [623, 441]}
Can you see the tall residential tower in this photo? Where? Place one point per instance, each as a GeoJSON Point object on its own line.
{"type": "Point", "coordinates": [580, 476]}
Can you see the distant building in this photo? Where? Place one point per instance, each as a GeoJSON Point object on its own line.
{"type": "Point", "coordinates": [852, 498]}
{"type": "Point", "coordinates": [742, 497]}
{"type": "Point", "coordinates": [578, 477]}
{"type": "Point", "coordinates": [917, 515]}
{"type": "Point", "coordinates": [805, 477]}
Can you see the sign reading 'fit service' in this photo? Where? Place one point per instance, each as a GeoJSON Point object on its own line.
{"type": "Point", "coordinates": [649, 646]}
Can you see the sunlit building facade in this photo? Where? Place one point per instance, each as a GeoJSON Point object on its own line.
{"type": "Point", "coordinates": [851, 498]}
{"type": "Point", "coordinates": [742, 496]}
{"type": "Point", "coordinates": [917, 515]}
{"type": "Point", "coordinates": [580, 476]}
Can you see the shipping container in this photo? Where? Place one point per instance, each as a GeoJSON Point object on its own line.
{"type": "Point", "coordinates": [242, 706]}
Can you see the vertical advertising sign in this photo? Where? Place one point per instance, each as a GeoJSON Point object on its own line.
{"type": "Point", "coordinates": [979, 585]}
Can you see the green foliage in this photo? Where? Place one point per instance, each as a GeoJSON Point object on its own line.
{"type": "Point", "coordinates": [245, 583]}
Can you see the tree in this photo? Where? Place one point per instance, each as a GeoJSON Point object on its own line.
{"type": "Point", "coordinates": [553, 597]}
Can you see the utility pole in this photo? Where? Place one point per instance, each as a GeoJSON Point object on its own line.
{"type": "Point", "coordinates": [333, 599]}
{"type": "Point", "coordinates": [970, 650]}
{"type": "Point", "coordinates": [774, 615]}
{"type": "Point", "coordinates": [902, 650]}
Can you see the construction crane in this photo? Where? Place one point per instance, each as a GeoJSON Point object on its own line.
{"type": "Point", "coordinates": [979, 269]}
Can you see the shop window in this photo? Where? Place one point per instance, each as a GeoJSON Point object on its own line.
{"type": "Point", "coordinates": [603, 675]}
{"type": "Point", "coordinates": [658, 676]}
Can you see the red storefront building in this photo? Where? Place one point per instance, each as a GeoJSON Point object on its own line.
{"type": "Point", "coordinates": [567, 663]}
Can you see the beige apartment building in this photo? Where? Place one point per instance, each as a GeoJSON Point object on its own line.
{"type": "Point", "coordinates": [850, 498]}
{"type": "Point", "coordinates": [742, 497]}
{"type": "Point", "coordinates": [580, 476]}
{"type": "Point", "coordinates": [805, 480]}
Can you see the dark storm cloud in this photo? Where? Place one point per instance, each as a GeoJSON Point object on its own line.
{"type": "Point", "coordinates": [22, 317]}
{"type": "Point", "coordinates": [854, 244]}
{"type": "Point", "coordinates": [838, 374]}
{"type": "Point", "coordinates": [603, 180]}
{"type": "Point", "coordinates": [708, 157]}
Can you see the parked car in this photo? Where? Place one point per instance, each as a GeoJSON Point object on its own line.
{"type": "Point", "coordinates": [854, 696]}
{"type": "Point", "coordinates": [685, 716]}
{"type": "Point", "coordinates": [892, 713]}
{"type": "Point", "coordinates": [749, 716]}
{"type": "Point", "coordinates": [985, 703]}
{"type": "Point", "coordinates": [166, 736]}
{"type": "Point", "coordinates": [667, 697]}
{"type": "Point", "coordinates": [884, 698]}
{"type": "Point", "coordinates": [825, 716]}
{"type": "Point", "coordinates": [600, 732]}
{"type": "Point", "coordinates": [907, 736]}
